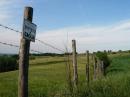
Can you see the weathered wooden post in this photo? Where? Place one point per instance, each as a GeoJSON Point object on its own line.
{"type": "Point", "coordinates": [98, 68]}
{"type": "Point", "coordinates": [102, 68]}
{"type": "Point", "coordinates": [29, 31]}
{"type": "Point", "coordinates": [87, 68]}
{"type": "Point", "coordinates": [75, 78]}
{"type": "Point", "coordinates": [95, 67]}
{"type": "Point", "coordinates": [68, 72]}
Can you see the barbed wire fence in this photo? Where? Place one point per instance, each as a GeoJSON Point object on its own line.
{"type": "Point", "coordinates": [42, 43]}
{"type": "Point", "coordinates": [66, 54]}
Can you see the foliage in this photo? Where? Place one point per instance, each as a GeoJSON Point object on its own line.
{"type": "Point", "coordinates": [103, 57]}
{"type": "Point", "coordinates": [8, 63]}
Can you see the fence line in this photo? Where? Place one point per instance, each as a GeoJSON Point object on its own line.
{"type": "Point", "coordinates": [97, 65]}
{"type": "Point", "coordinates": [40, 41]}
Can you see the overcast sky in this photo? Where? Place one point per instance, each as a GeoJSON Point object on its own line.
{"type": "Point", "coordinates": [94, 24]}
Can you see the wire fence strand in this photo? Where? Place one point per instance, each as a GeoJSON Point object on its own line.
{"type": "Point", "coordinates": [13, 45]}
{"type": "Point", "coordinates": [47, 44]}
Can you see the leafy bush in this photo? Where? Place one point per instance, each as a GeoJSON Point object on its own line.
{"type": "Point", "coordinates": [8, 63]}
{"type": "Point", "coordinates": [103, 57]}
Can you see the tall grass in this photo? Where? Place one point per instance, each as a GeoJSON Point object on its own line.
{"type": "Point", "coordinates": [115, 84]}
{"type": "Point", "coordinates": [47, 78]}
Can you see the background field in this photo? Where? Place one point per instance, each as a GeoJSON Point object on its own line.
{"type": "Point", "coordinates": [47, 78]}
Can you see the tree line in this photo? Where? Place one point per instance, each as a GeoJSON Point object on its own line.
{"type": "Point", "coordinates": [8, 63]}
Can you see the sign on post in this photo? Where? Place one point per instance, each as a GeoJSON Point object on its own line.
{"type": "Point", "coordinates": [29, 30]}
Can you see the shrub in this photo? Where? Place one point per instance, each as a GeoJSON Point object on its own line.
{"type": "Point", "coordinates": [8, 63]}
{"type": "Point", "coordinates": [103, 57]}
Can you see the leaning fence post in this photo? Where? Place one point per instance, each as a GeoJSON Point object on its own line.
{"type": "Point", "coordinates": [75, 77]}
{"type": "Point", "coordinates": [87, 67]}
{"type": "Point", "coordinates": [24, 58]}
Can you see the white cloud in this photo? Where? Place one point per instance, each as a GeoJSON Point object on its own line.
{"type": "Point", "coordinates": [93, 38]}
{"type": "Point", "coordinates": [115, 37]}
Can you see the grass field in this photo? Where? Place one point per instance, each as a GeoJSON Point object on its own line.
{"type": "Point", "coordinates": [47, 78]}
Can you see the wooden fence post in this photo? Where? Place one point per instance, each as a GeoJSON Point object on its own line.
{"type": "Point", "coordinates": [87, 68]}
{"type": "Point", "coordinates": [95, 67]}
{"type": "Point", "coordinates": [98, 68]}
{"type": "Point", "coordinates": [102, 68]}
{"type": "Point", "coordinates": [68, 72]}
{"type": "Point", "coordinates": [24, 58]}
{"type": "Point", "coordinates": [75, 63]}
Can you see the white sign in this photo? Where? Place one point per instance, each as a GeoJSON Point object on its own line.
{"type": "Point", "coordinates": [29, 30]}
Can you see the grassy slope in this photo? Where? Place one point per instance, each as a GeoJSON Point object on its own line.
{"type": "Point", "coordinates": [47, 76]}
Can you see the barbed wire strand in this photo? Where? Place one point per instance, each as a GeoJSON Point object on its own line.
{"type": "Point", "coordinates": [47, 44]}
{"type": "Point", "coordinates": [13, 45]}
{"type": "Point", "coordinates": [10, 28]}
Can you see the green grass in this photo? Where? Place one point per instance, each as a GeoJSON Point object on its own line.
{"type": "Point", "coordinates": [47, 78]}
{"type": "Point", "coordinates": [115, 84]}
{"type": "Point", "coordinates": [120, 64]}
